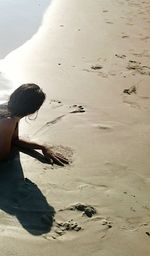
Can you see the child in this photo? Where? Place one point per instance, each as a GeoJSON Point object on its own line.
{"type": "Point", "coordinates": [24, 101]}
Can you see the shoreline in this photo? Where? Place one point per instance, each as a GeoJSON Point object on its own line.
{"type": "Point", "coordinates": [19, 22]}
{"type": "Point", "coordinates": [18, 26]}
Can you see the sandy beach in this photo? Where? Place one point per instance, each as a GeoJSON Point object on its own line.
{"type": "Point", "coordinates": [92, 59]}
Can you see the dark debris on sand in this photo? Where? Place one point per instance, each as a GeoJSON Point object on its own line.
{"type": "Point", "coordinates": [131, 90]}
{"type": "Point", "coordinates": [96, 67]}
{"type": "Point", "coordinates": [87, 210]}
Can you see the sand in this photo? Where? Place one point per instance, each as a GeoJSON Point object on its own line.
{"type": "Point", "coordinates": [92, 56]}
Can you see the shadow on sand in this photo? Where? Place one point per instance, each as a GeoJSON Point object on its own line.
{"type": "Point", "coordinates": [22, 198]}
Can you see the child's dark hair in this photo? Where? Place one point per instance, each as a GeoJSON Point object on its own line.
{"type": "Point", "coordinates": [26, 100]}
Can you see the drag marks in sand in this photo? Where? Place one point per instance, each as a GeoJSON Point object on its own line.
{"type": "Point", "coordinates": [73, 218]}
{"type": "Point", "coordinates": [60, 110]}
{"type": "Point", "coordinates": [78, 219]}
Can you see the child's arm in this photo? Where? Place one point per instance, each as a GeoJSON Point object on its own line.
{"type": "Point", "coordinates": [49, 155]}
{"type": "Point", "coordinates": [22, 143]}
{"type": "Point", "coordinates": [27, 144]}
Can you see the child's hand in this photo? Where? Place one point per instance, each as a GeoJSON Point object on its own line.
{"type": "Point", "coordinates": [54, 158]}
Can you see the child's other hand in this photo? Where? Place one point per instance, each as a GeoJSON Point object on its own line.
{"type": "Point", "coordinates": [54, 158]}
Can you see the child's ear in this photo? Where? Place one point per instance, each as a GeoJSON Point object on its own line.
{"type": "Point", "coordinates": [33, 116]}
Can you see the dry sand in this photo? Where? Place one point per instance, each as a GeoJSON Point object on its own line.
{"type": "Point", "coordinates": [93, 54]}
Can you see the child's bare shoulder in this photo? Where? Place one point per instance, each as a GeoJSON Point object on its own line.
{"type": "Point", "coordinates": [7, 123]}
{"type": "Point", "coordinates": [7, 120]}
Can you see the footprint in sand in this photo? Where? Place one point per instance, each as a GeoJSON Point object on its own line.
{"type": "Point", "coordinates": [68, 226]}
{"type": "Point", "coordinates": [77, 109]}
{"type": "Point", "coordinates": [55, 104]}
{"type": "Point", "coordinates": [103, 224]}
{"type": "Point", "coordinates": [106, 223]}
{"type": "Point", "coordinates": [66, 109]}
{"type": "Point", "coordinates": [62, 227]}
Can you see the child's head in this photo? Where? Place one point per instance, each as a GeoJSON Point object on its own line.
{"type": "Point", "coordinates": [26, 100]}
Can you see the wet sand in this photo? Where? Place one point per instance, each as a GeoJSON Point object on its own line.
{"type": "Point", "coordinates": [92, 60]}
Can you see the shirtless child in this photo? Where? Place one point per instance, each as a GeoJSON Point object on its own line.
{"type": "Point", "coordinates": [25, 100]}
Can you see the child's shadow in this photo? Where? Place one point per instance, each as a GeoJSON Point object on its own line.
{"type": "Point", "coordinates": [22, 198]}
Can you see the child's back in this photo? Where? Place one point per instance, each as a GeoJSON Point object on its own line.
{"type": "Point", "coordinates": [7, 129]}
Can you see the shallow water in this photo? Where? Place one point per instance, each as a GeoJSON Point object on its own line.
{"type": "Point", "coordinates": [20, 20]}
{"type": "Point", "coordinates": [5, 88]}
